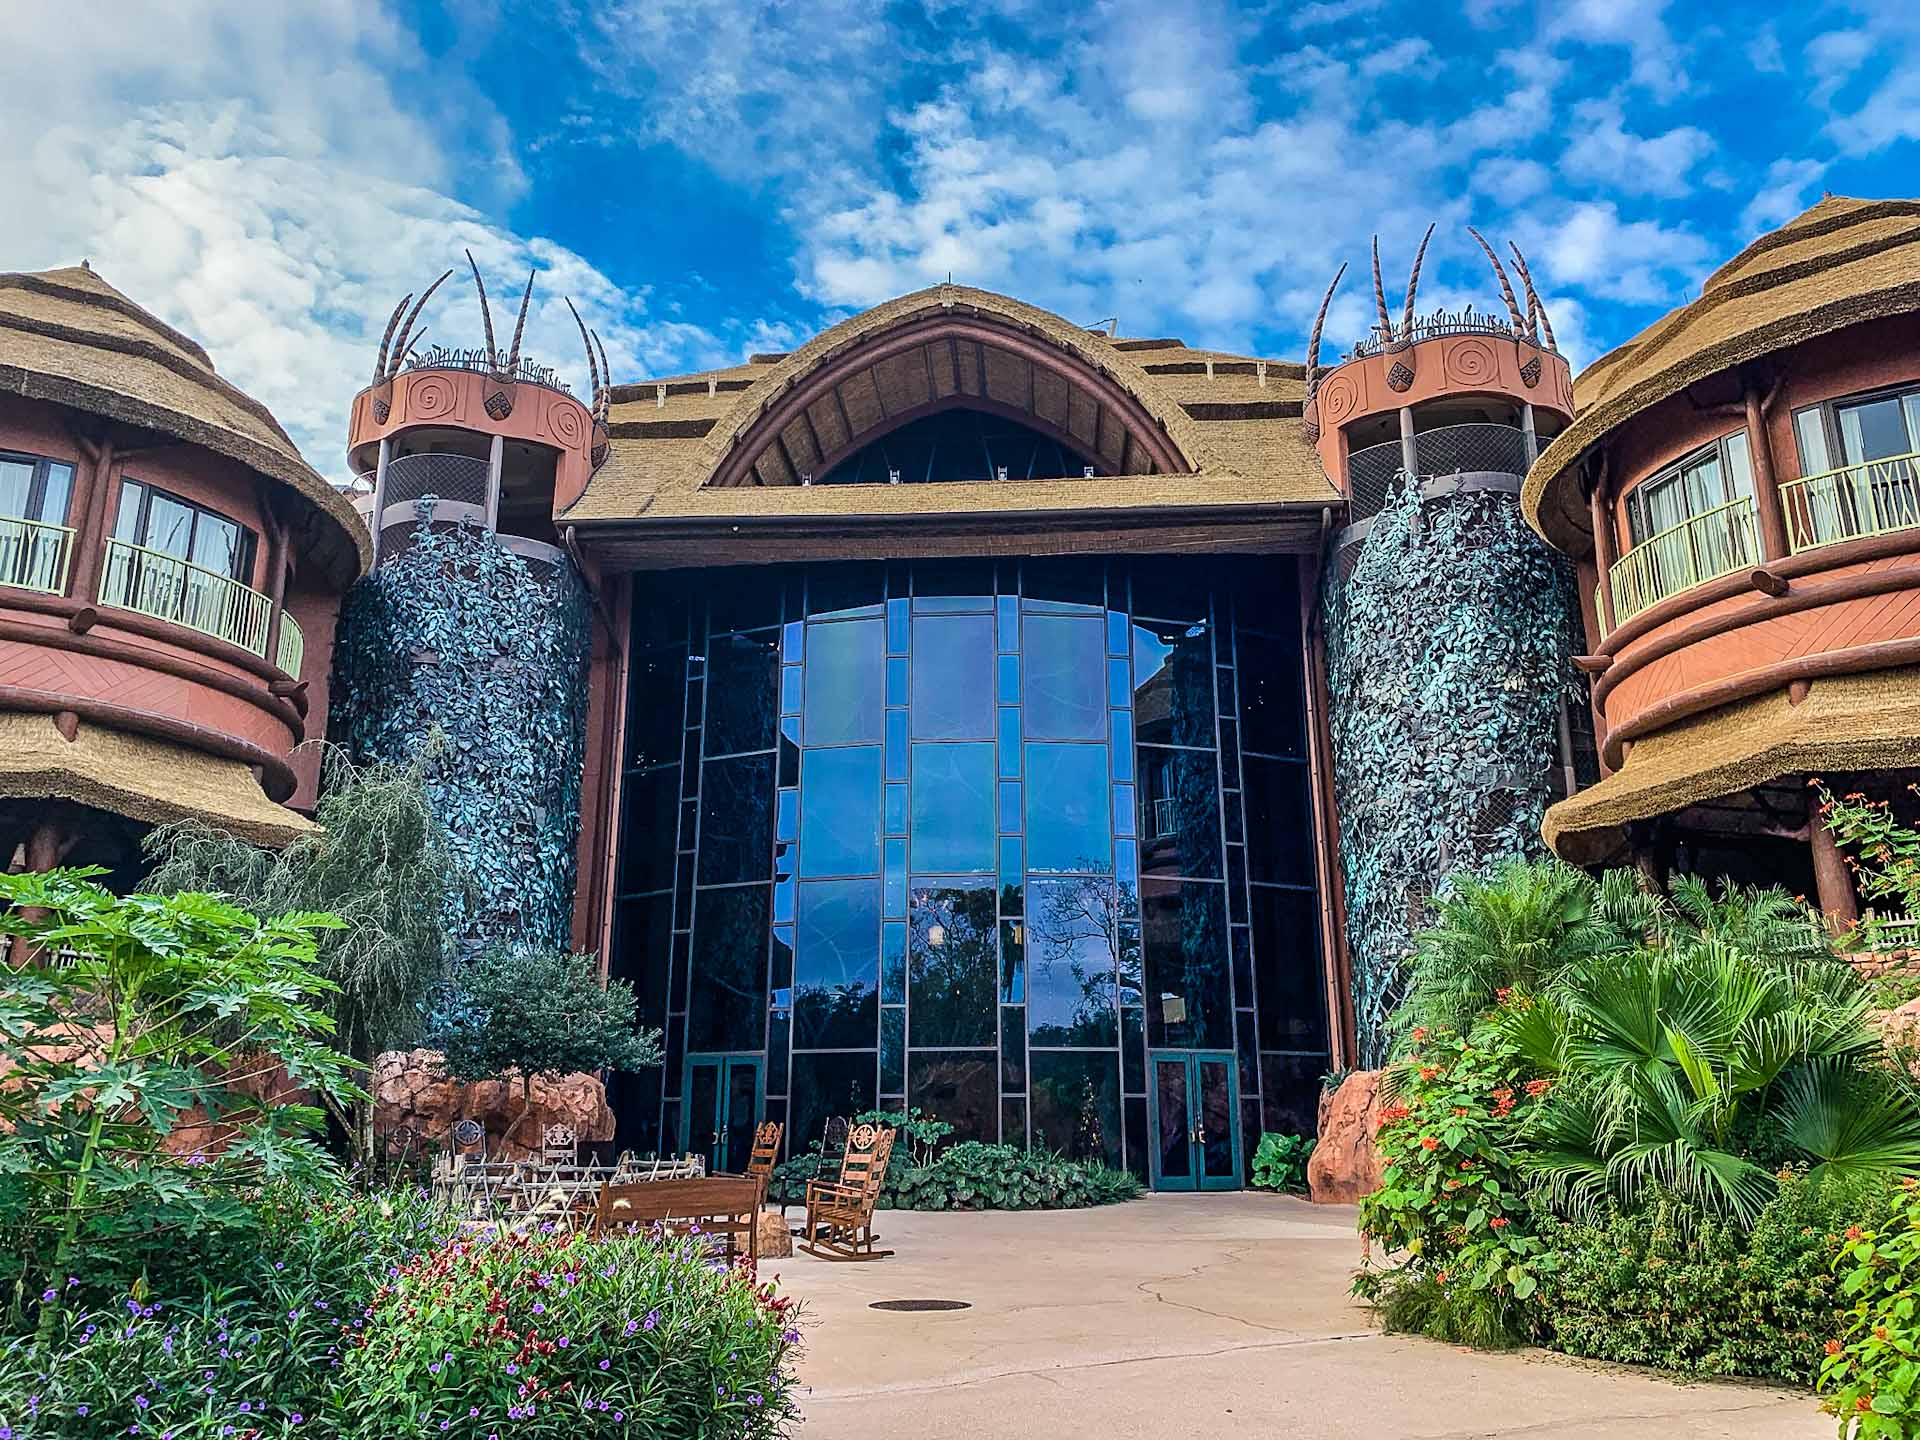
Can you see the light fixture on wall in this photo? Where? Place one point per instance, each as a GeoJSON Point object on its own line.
{"type": "Point", "coordinates": [936, 935]}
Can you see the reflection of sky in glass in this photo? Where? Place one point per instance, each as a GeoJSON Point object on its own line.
{"type": "Point", "coordinates": [837, 964]}
{"type": "Point", "coordinates": [846, 683]}
{"type": "Point", "coordinates": [953, 798]}
{"type": "Point", "coordinates": [1068, 824]}
{"type": "Point", "coordinates": [840, 812]}
{"type": "Point", "coordinates": [1065, 675]}
{"type": "Point", "coordinates": [1173, 684]}
{"type": "Point", "coordinates": [953, 677]}
{"type": "Point", "coordinates": [1073, 931]}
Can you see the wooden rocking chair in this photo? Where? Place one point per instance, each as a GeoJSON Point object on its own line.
{"type": "Point", "coordinates": [765, 1155]}
{"type": "Point", "coordinates": [840, 1214]}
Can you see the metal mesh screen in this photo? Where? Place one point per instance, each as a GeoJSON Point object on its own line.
{"type": "Point", "coordinates": [459, 478]}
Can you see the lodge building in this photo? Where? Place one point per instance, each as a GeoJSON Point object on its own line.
{"type": "Point", "coordinates": [1055, 731]}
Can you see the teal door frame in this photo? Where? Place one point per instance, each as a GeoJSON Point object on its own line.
{"type": "Point", "coordinates": [1191, 1064]}
{"type": "Point", "coordinates": [724, 1067]}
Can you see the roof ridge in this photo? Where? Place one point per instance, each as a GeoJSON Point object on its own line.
{"type": "Point", "coordinates": [109, 296]}
{"type": "Point", "coordinates": [1787, 234]}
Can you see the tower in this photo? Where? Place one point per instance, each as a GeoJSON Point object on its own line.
{"type": "Point", "coordinates": [1449, 626]}
{"type": "Point", "coordinates": [468, 643]}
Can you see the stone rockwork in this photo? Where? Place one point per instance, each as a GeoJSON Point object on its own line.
{"type": "Point", "coordinates": [1345, 1165]}
{"type": "Point", "coordinates": [411, 1091]}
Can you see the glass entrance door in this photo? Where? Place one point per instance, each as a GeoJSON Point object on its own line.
{"type": "Point", "coordinates": [724, 1101]}
{"type": "Point", "coordinates": [1196, 1143]}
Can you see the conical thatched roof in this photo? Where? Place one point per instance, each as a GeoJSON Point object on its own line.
{"type": "Point", "coordinates": [68, 336]}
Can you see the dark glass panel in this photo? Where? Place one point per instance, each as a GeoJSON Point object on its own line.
{"type": "Point", "coordinates": [1173, 589]}
{"type": "Point", "coordinates": [674, 1049]}
{"type": "Point", "coordinates": [743, 1115]}
{"type": "Point", "coordinates": [1189, 1002]}
{"type": "Point", "coordinates": [953, 799]}
{"type": "Point", "coordinates": [953, 967]}
{"type": "Point", "coordinates": [1218, 1117]}
{"type": "Point", "coordinates": [1068, 827]}
{"type": "Point", "coordinates": [655, 707]}
{"type": "Point", "coordinates": [683, 887]}
{"type": "Point", "coordinates": [659, 611]}
{"type": "Point", "coordinates": [825, 1086]}
{"type": "Point", "coordinates": [647, 834]}
{"type": "Point", "coordinates": [736, 820]}
{"type": "Point", "coordinates": [948, 585]}
{"type": "Point", "coordinates": [1133, 1051]}
{"type": "Point", "coordinates": [1065, 582]}
{"type": "Point", "coordinates": [1287, 969]}
{"type": "Point", "coordinates": [846, 683]}
{"type": "Point", "coordinates": [727, 1004]}
{"type": "Point", "coordinates": [682, 968]}
{"type": "Point", "coordinates": [1236, 827]}
{"type": "Point", "coordinates": [1249, 1135]}
{"type": "Point", "coordinates": [670, 1128]}
{"type": "Point", "coordinates": [1076, 1103]}
{"type": "Point", "coordinates": [1172, 684]}
{"type": "Point", "coordinates": [1246, 1036]}
{"type": "Point", "coordinates": [840, 590]}
{"type": "Point", "coordinates": [1179, 814]}
{"type": "Point", "coordinates": [1243, 991]}
{"type": "Point", "coordinates": [780, 974]}
{"type": "Point", "coordinates": [1225, 684]}
{"type": "Point", "coordinates": [1013, 1123]}
{"type": "Point", "coordinates": [1135, 1108]}
{"type": "Point", "coordinates": [1013, 1048]}
{"type": "Point", "coordinates": [1237, 884]}
{"type": "Point", "coordinates": [742, 601]}
{"type": "Point", "coordinates": [1229, 755]}
{"type": "Point", "coordinates": [959, 1089]}
{"type": "Point", "coordinates": [790, 750]}
{"type": "Point", "coordinates": [1074, 930]}
{"type": "Point", "coordinates": [953, 677]}
{"type": "Point", "coordinates": [690, 764]}
{"type": "Point", "coordinates": [642, 948]}
{"type": "Point", "coordinates": [1279, 822]}
{"type": "Point", "coordinates": [1065, 679]}
{"type": "Point", "coordinates": [1290, 1093]}
{"type": "Point", "coordinates": [779, 1043]}
{"type": "Point", "coordinates": [1173, 1117]}
{"type": "Point", "coordinates": [893, 963]}
{"type": "Point", "coordinates": [1273, 711]}
{"type": "Point", "coordinates": [1013, 962]}
{"type": "Point", "coordinates": [840, 812]}
{"type": "Point", "coordinates": [634, 1098]}
{"type": "Point", "coordinates": [893, 1050]}
{"type": "Point", "coordinates": [837, 965]}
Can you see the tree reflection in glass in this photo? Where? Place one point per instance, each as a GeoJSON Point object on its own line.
{"type": "Point", "coordinates": [1083, 943]}
{"type": "Point", "coordinates": [953, 977]}
{"type": "Point", "coordinates": [1173, 683]}
{"type": "Point", "coordinates": [837, 965]}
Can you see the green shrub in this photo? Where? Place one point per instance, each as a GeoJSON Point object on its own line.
{"type": "Point", "coordinates": [1678, 1287]}
{"type": "Point", "coordinates": [1280, 1162]}
{"type": "Point", "coordinates": [554, 1335]}
{"type": "Point", "coordinates": [1871, 1376]}
{"type": "Point", "coordinates": [975, 1176]}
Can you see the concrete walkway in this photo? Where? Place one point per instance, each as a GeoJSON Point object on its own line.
{"type": "Point", "coordinates": [1192, 1316]}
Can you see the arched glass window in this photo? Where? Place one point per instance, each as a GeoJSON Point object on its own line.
{"type": "Point", "coordinates": [960, 445]}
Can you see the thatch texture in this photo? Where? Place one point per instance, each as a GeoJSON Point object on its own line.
{"type": "Point", "coordinates": [138, 777]}
{"type": "Point", "coordinates": [69, 337]}
{"type": "Point", "coordinates": [1846, 723]}
{"type": "Point", "coordinates": [1838, 264]}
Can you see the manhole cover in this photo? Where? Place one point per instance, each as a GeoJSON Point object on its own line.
{"type": "Point", "coordinates": [920, 1305]}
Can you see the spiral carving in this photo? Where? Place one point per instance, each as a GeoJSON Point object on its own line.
{"type": "Point", "coordinates": [430, 397]}
{"type": "Point", "coordinates": [1471, 362]}
{"type": "Point", "coordinates": [566, 421]}
{"type": "Point", "coordinates": [1339, 398]}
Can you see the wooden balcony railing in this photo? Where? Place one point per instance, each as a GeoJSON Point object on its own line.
{"type": "Point", "coordinates": [35, 555]}
{"type": "Point", "coordinates": [1711, 544]}
{"type": "Point", "coordinates": [169, 588]}
{"type": "Point", "coordinates": [1875, 497]}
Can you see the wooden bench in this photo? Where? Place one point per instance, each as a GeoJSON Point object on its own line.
{"type": "Point", "coordinates": [723, 1205]}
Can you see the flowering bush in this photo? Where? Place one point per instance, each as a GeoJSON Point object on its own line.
{"type": "Point", "coordinates": [1871, 1376]}
{"type": "Point", "coordinates": [972, 1175]}
{"type": "Point", "coordinates": [563, 1335]}
{"type": "Point", "coordinates": [1450, 1208]}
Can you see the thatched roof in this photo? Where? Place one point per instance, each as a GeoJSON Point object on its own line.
{"type": "Point", "coordinates": [1846, 723]}
{"type": "Point", "coordinates": [68, 336]}
{"type": "Point", "coordinates": [1840, 263]}
{"type": "Point", "coordinates": [1231, 420]}
{"type": "Point", "coordinates": [139, 777]}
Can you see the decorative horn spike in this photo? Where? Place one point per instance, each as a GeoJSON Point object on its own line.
{"type": "Point", "coordinates": [593, 370]}
{"type": "Point", "coordinates": [1500, 274]}
{"type": "Point", "coordinates": [407, 336]}
{"type": "Point", "coordinates": [1536, 307]}
{"type": "Point", "coordinates": [1380, 296]}
{"type": "Point", "coordinates": [1319, 323]}
{"type": "Point", "coordinates": [519, 326]}
{"type": "Point", "coordinates": [1413, 283]}
{"type": "Point", "coordinates": [606, 378]}
{"type": "Point", "coordinates": [386, 338]}
{"type": "Point", "coordinates": [486, 315]}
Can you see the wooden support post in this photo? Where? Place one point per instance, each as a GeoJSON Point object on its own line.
{"type": "Point", "coordinates": [276, 579]}
{"type": "Point", "coordinates": [1766, 486]}
{"type": "Point", "coordinates": [1409, 455]}
{"type": "Point", "coordinates": [1527, 430]}
{"type": "Point", "coordinates": [90, 533]}
{"type": "Point", "coordinates": [1833, 882]}
{"type": "Point", "coordinates": [380, 494]}
{"type": "Point", "coordinates": [496, 459]}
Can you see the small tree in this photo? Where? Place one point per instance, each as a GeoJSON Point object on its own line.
{"type": "Point", "coordinates": [381, 862]}
{"type": "Point", "coordinates": [536, 1011]}
{"type": "Point", "coordinates": [136, 1016]}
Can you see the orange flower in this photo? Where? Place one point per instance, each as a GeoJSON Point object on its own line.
{"type": "Point", "coordinates": [1460, 1110]}
{"type": "Point", "coordinates": [1428, 1072]}
{"type": "Point", "coordinates": [1854, 1232]}
{"type": "Point", "coordinates": [1499, 1222]}
{"type": "Point", "coordinates": [1863, 1402]}
{"type": "Point", "coordinates": [1419, 1033]}
{"type": "Point", "coordinates": [1833, 1347]}
{"type": "Point", "coordinates": [1537, 1088]}
{"type": "Point", "coordinates": [1502, 993]}
{"type": "Point", "coordinates": [1427, 1142]}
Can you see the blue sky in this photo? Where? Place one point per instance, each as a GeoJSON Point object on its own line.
{"type": "Point", "coordinates": [711, 179]}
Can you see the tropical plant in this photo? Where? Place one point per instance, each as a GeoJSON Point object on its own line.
{"type": "Point", "coordinates": [1882, 852]}
{"type": "Point", "coordinates": [972, 1175]}
{"type": "Point", "coordinates": [1280, 1162]}
{"type": "Point", "coordinates": [380, 863]}
{"type": "Point", "coordinates": [140, 1038]}
{"type": "Point", "coordinates": [1871, 1375]}
{"type": "Point", "coordinates": [533, 1011]}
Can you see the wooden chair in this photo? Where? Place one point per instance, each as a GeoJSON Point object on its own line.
{"type": "Point", "coordinates": [727, 1206]}
{"type": "Point", "coordinates": [560, 1145]}
{"type": "Point", "coordinates": [840, 1213]}
{"type": "Point", "coordinates": [765, 1155]}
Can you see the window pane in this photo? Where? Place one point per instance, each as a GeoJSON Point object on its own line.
{"type": "Point", "coordinates": [825, 1086]}
{"type": "Point", "coordinates": [1076, 1104]}
{"type": "Point", "coordinates": [651, 802]}
{"type": "Point", "coordinates": [1739, 466]}
{"type": "Point", "coordinates": [1179, 813]}
{"type": "Point", "coordinates": [1173, 683]}
{"type": "Point", "coordinates": [1873, 431]}
{"type": "Point", "coordinates": [953, 677]}
{"type": "Point", "coordinates": [1287, 969]}
{"type": "Point", "coordinates": [836, 965]}
{"type": "Point", "coordinates": [727, 1004]}
{"type": "Point", "coordinates": [736, 820]}
{"type": "Point", "coordinates": [1703, 484]}
{"type": "Point", "coordinates": [1074, 934]}
{"type": "Point", "coordinates": [654, 707]}
{"type": "Point", "coordinates": [1065, 664]}
{"type": "Point", "coordinates": [959, 1089]}
{"type": "Point", "coordinates": [126, 522]}
{"type": "Point", "coordinates": [216, 546]}
{"type": "Point", "coordinates": [1189, 1002]}
{"type": "Point", "coordinates": [1064, 583]}
{"type": "Point", "coordinates": [742, 693]}
{"type": "Point", "coordinates": [953, 988]}
{"type": "Point", "coordinates": [1812, 436]}
{"type": "Point", "coordinates": [1068, 812]}
{"type": "Point", "coordinates": [1279, 820]}
{"type": "Point", "coordinates": [953, 802]}
{"type": "Point", "coordinates": [169, 527]}
{"type": "Point", "coordinates": [642, 942]}
{"type": "Point", "coordinates": [840, 812]}
{"type": "Point", "coordinates": [1290, 1092]}
{"type": "Point", "coordinates": [846, 682]}
{"type": "Point", "coordinates": [16, 480]}
{"type": "Point", "coordinates": [1273, 703]}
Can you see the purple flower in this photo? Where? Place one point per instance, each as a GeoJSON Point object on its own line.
{"type": "Point", "coordinates": [618, 1416]}
{"type": "Point", "coordinates": [46, 1296]}
{"type": "Point", "coordinates": [512, 1369]}
{"type": "Point", "coordinates": [246, 1406]}
{"type": "Point", "coordinates": [606, 1364]}
{"type": "Point", "coordinates": [564, 1342]}
{"type": "Point", "coordinates": [139, 1402]}
{"type": "Point", "coordinates": [538, 1308]}
{"type": "Point", "coordinates": [473, 1412]}
{"type": "Point", "coordinates": [298, 1418]}
{"type": "Point", "coordinates": [653, 1319]}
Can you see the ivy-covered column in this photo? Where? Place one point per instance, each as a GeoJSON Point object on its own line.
{"type": "Point", "coordinates": [1449, 642]}
{"type": "Point", "coordinates": [461, 648]}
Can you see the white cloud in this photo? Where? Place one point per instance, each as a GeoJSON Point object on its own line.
{"type": "Point", "coordinates": [1601, 149]}
{"type": "Point", "coordinates": [1783, 196]}
{"type": "Point", "coordinates": [1658, 63]}
{"type": "Point", "coordinates": [1589, 247]}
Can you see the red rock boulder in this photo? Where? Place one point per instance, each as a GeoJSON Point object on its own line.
{"type": "Point", "coordinates": [1345, 1165]}
{"type": "Point", "coordinates": [411, 1091]}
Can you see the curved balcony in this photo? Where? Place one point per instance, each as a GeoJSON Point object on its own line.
{"type": "Point", "coordinates": [1853, 502]}
{"type": "Point", "coordinates": [166, 587]}
{"type": "Point", "coordinates": [1472, 448]}
{"type": "Point", "coordinates": [291, 653]}
{"type": "Point", "coordinates": [35, 555]}
{"type": "Point", "coordinates": [1713, 543]}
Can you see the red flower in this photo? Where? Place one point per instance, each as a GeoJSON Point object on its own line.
{"type": "Point", "coordinates": [1854, 1232]}
{"type": "Point", "coordinates": [1427, 1142]}
{"type": "Point", "coordinates": [1863, 1402]}
{"type": "Point", "coordinates": [1537, 1088]}
{"type": "Point", "coordinates": [1833, 1347]}
{"type": "Point", "coordinates": [1499, 1222]}
{"type": "Point", "coordinates": [1428, 1072]}
{"type": "Point", "coordinates": [1419, 1033]}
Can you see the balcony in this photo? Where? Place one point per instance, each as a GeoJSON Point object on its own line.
{"type": "Point", "coordinates": [1476, 448]}
{"type": "Point", "coordinates": [166, 587]}
{"type": "Point", "coordinates": [1711, 544]}
{"type": "Point", "coordinates": [34, 555]}
{"type": "Point", "coordinates": [292, 650]}
{"type": "Point", "coordinates": [1854, 502]}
